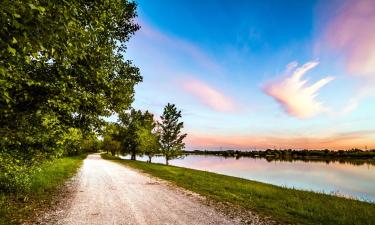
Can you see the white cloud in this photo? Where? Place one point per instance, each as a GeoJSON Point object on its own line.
{"type": "Point", "coordinates": [294, 94]}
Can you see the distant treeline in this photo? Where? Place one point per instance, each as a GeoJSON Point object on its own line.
{"type": "Point", "coordinates": [353, 156]}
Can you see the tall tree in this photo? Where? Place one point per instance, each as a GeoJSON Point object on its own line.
{"type": "Point", "coordinates": [111, 145]}
{"type": "Point", "coordinates": [61, 70]}
{"type": "Point", "coordinates": [110, 134]}
{"type": "Point", "coordinates": [148, 139]}
{"type": "Point", "coordinates": [61, 67]}
{"type": "Point", "coordinates": [130, 122]}
{"type": "Point", "coordinates": [171, 138]}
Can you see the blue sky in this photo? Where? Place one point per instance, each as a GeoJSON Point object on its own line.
{"type": "Point", "coordinates": [259, 74]}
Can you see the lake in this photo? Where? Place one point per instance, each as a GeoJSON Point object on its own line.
{"type": "Point", "coordinates": [343, 179]}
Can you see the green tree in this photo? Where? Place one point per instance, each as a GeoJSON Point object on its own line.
{"type": "Point", "coordinates": [91, 143]}
{"type": "Point", "coordinates": [111, 145]}
{"type": "Point", "coordinates": [130, 122]}
{"type": "Point", "coordinates": [72, 142]}
{"type": "Point", "coordinates": [61, 68]}
{"type": "Point", "coordinates": [171, 138]}
{"type": "Point", "coordinates": [110, 133]}
{"type": "Point", "coordinates": [148, 139]}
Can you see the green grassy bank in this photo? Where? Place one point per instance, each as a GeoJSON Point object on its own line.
{"type": "Point", "coordinates": [45, 182]}
{"type": "Point", "coordinates": [282, 204]}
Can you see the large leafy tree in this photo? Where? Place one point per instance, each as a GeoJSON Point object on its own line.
{"type": "Point", "coordinates": [130, 123]}
{"type": "Point", "coordinates": [61, 67]}
{"type": "Point", "coordinates": [61, 71]}
{"type": "Point", "coordinates": [171, 136]}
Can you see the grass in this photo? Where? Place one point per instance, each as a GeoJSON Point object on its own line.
{"type": "Point", "coordinates": [282, 204]}
{"type": "Point", "coordinates": [45, 182]}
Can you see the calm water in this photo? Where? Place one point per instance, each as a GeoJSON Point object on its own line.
{"type": "Point", "coordinates": [357, 181]}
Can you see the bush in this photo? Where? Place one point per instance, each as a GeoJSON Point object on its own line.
{"type": "Point", "coordinates": [14, 175]}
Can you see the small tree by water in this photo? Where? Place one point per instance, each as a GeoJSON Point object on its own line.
{"type": "Point", "coordinates": [171, 137]}
{"type": "Point", "coordinates": [148, 139]}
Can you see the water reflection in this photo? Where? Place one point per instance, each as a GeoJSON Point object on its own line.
{"type": "Point", "coordinates": [356, 162]}
{"type": "Point", "coordinates": [342, 177]}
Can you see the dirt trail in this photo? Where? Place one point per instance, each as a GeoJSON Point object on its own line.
{"type": "Point", "coordinates": [105, 192]}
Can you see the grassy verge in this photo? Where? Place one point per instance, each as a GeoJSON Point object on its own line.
{"type": "Point", "coordinates": [16, 208]}
{"type": "Point", "coordinates": [282, 204]}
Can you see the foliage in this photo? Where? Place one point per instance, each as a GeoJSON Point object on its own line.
{"type": "Point", "coordinates": [43, 183]}
{"type": "Point", "coordinates": [14, 176]}
{"type": "Point", "coordinates": [130, 122]}
{"type": "Point", "coordinates": [72, 141]}
{"type": "Point", "coordinates": [148, 139]}
{"type": "Point", "coordinates": [61, 70]}
{"type": "Point", "coordinates": [171, 138]}
{"type": "Point", "coordinates": [111, 145]}
{"type": "Point", "coordinates": [140, 134]}
{"type": "Point", "coordinates": [285, 205]}
{"type": "Point", "coordinates": [91, 144]}
{"type": "Point", "coordinates": [109, 157]}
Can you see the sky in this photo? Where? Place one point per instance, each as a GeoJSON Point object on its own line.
{"type": "Point", "coordinates": [260, 74]}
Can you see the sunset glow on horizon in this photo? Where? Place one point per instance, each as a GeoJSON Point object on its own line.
{"type": "Point", "coordinates": [257, 75]}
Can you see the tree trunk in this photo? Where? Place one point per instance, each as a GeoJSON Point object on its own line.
{"type": "Point", "coordinates": [166, 161]}
{"type": "Point", "coordinates": [133, 156]}
{"type": "Point", "coordinates": [149, 159]}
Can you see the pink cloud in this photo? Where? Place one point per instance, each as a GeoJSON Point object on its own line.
{"type": "Point", "coordinates": [352, 33]}
{"type": "Point", "coordinates": [356, 139]}
{"type": "Point", "coordinates": [186, 47]}
{"type": "Point", "coordinates": [296, 97]}
{"type": "Point", "coordinates": [209, 96]}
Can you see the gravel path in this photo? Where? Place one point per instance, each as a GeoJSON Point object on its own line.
{"type": "Point", "coordinates": [104, 192]}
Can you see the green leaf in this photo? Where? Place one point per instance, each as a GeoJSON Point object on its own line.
{"type": "Point", "coordinates": [12, 50]}
{"type": "Point", "coordinates": [27, 59]}
{"type": "Point", "coordinates": [2, 70]}
{"type": "Point", "coordinates": [41, 9]}
{"type": "Point", "coordinates": [32, 6]}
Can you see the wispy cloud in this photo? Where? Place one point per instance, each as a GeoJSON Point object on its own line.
{"type": "Point", "coordinates": [294, 94]}
{"type": "Point", "coordinates": [209, 96]}
{"type": "Point", "coordinates": [164, 57]}
{"type": "Point", "coordinates": [353, 33]}
{"type": "Point", "coordinates": [151, 35]}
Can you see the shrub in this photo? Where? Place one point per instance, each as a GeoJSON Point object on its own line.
{"type": "Point", "coordinates": [14, 175]}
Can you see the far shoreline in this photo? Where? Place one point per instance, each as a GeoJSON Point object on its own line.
{"type": "Point", "coordinates": [292, 155]}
